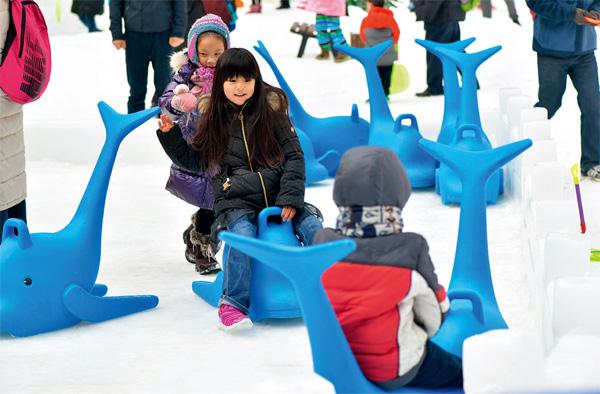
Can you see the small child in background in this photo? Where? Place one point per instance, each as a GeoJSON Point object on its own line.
{"type": "Point", "coordinates": [194, 68]}
{"type": "Point", "coordinates": [386, 294]}
{"type": "Point", "coordinates": [379, 26]}
{"type": "Point", "coordinates": [329, 30]}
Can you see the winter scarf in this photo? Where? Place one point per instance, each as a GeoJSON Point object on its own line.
{"type": "Point", "coordinates": [367, 222]}
{"type": "Point", "coordinates": [203, 80]}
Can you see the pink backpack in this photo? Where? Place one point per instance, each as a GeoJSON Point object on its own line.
{"type": "Point", "coordinates": [26, 59]}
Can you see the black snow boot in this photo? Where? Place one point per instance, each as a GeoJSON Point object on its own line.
{"type": "Point", "coordinates": [197, 240]}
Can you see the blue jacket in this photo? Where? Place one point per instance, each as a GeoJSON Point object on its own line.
{"type": "Point", "coordinates": [554, 31]}
{"type": "Point", "coordinates": [148, 16]}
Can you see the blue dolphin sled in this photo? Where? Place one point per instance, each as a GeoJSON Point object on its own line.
{"type": "Point", "coordinates": [328, 135]}
{"type": "Point", "coordinates": [48, 281]}
{"type": "Point", "coordinates": [271, 294]}
{"type": "Point", "coordinates": [401, 139]}
{"type": "Point", "coordinates": [474, 309]}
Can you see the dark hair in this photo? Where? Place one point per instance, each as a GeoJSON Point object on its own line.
{"type": "Point", "coordinates": [267, 107]}
{"type": "Point", "coordinates": [377, 3]}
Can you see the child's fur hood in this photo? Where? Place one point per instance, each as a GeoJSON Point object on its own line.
{"type": "Point", "coordinates": [178, 60]}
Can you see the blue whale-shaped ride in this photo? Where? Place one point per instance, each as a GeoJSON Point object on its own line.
{"type": "Point", "coordinates": [48, 281]}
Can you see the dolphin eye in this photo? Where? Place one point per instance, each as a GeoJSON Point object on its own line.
{"type": "Point", "coordinates": [28, 281]}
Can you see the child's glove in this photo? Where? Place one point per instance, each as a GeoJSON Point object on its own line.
{"type": "Point", "coordinates": [183, 100]}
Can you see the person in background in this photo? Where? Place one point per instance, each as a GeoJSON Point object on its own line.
{"type": "Point", "coordinates": [565, 41]}
{"type": "Point", "coordinates": [256, 7]}
{"type": "Point", "coordinates": [440, 19]}
{"type": "Point", "coordinates": [284, 4]}
{"type": "Point", "coordinates": [386, 294]}
{"type": "Point", "coordinates": [329, 31]}
{"type": "Point", "coordinates": [153, 28]}
{"type": "Point", "coordinates": [86, 10]}
{"type": "Point", "coordinates": [13, 186]}
{"type": "Point", "coordinates": [193, 78]}
{"type": "Point", "coordinates": [377, 27]}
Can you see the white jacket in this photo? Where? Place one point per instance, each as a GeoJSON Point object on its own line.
{"type": "Point", "coordinates": [12, 147]}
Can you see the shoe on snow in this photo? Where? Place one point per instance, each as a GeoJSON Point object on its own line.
{"type": "Point", "coordinates": [208, 268]}
{"type": "Point", "coordinates": [232, 319]}
{"type": "Point", "coordinates": [593, 173]}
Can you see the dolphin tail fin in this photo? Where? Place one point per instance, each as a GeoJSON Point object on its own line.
{"type": "Point", "coordinates": [432, 46]}
{"type": "Point", "coordinates": [118, 125]}
{"type": "Point", "coordinates": [477, 164]}
{"type": "Point", "coordinates": [88, 307]}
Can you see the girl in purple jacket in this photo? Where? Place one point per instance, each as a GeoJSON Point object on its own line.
{"type": "Point", "coordinates": [194, 67]}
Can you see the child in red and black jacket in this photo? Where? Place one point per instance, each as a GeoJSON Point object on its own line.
{"type": "Point", "coordinates": [386, 294]}
{"type": "Point", "coordinates": [379, 26]}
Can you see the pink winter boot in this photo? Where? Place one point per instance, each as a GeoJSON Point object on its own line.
{"type": "Point", "coordinates": [255, 9]}
{"type": "Point", "coordinates": [232, 319]}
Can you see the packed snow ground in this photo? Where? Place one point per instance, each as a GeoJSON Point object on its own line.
{"type": "Point", "coordinates": [177, 347]}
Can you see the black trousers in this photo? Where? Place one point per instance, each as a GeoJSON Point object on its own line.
{"type": "Point", "coordinates": [440, 369]}
{"type": "Point", "coordinates": [143, 49]}
{"type": "Point", "coordinates": [583, 72]}
{"type": "Point", "coordinates": [385, 74]}
{"type": "Point", "coordinates": [444, 33]}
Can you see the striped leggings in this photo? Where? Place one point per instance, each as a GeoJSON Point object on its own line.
{"type": "Point", "coordinates": [329, 31]}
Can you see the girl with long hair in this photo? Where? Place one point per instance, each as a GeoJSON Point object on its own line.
{"type": "Point", "coordinates": [246, 142]}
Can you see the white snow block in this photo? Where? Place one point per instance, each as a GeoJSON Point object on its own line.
{"type": "Point", "coordinates": [566, 255]}
{"type": "Point", "coordinates": [536, 130]}
{"type": "Point", "coordinates": [503, 361]}
{"type": "Point", "coordinates": [503, 95]}
{"type": "Point", "coordinates": [556, 217]}
{"type": "Point", "coordinates": [494, 126]}
{"type": "Point", "coordinates": [540, 152]}
{"type": "Point", "coordinates": [533, 114]}
{"type": "Point", "coordinates": [514, 106]}
{"type": "Point", "coordinates": [576, 306]}
{"type": "Point", "coordinates": [547, 181]}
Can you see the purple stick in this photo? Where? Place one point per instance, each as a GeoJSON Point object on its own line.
{"type": "Point", "coordinates": [580, 206]}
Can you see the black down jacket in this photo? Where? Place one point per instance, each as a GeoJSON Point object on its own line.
{"type": "Point", "coordinates": [237, 186]}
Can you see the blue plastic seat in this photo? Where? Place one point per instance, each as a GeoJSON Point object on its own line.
{"type": "Point", "coordinates": [48, 281]}
{"type": "Point", "coordinates": [448, 183]}
{"type": "Point", "coordinates": [271, 294]}
{"type": "Point", "coordinates": [471, 276]}
{"type": "Point", "coordinates": [383, 130]}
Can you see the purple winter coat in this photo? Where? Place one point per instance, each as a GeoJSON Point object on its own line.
{"type": "Point", "coordinates": [194, 188]}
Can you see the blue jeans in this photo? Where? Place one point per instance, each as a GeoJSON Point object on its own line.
{"type": "Point", "coordinates": [236, 268]}
{"type": "Point", "coordinates": [141, 50]}
{"type": "Point", "coordinates": [18, 211]}
{"type": "Point", "coordinates": [583, 71]}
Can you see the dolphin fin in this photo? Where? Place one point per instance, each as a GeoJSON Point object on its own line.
{"type": "Point", "coordinates": [99, 290]}
{"type": "Point", "coordinates": [91, 308]}
{"type": "Point", "coordinates": [354, 114]}
{"type": "Point", "coordinates": [330, 160]}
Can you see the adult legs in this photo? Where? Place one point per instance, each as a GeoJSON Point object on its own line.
{"type": "Point", "coordinates": [442, 33]}
{"type": "Point", "coordinates": [161, 51]}
{"type": "Point", "coordinates": [584, 75]}
{"type": "Point", "coordinates": [137, 59]}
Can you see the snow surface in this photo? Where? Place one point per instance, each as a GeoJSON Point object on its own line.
{"type": "Point", "coordinates": [177, 347]}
